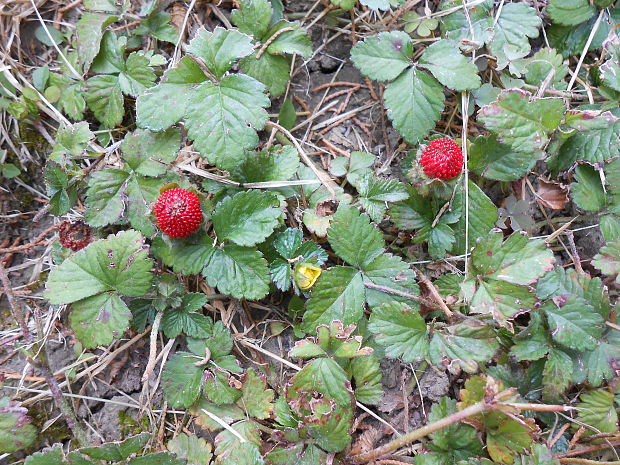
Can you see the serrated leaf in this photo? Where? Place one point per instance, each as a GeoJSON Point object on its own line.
{"type": "Point", "coordinates": [191, 448]}
{"type": "Point", "coordinates": [71, 140]}
{"type": "Point", "coordinates": [354, 238]}
{"type": "Point", "coordinates": [533, 342]}
{"type": "Point", "coordinates": [587, 192]}
{"type": "Point", "coordinates": [521, 122]}
{"type": "Point", "coordinates": [226, 442]}
{"type": "Point", "coordinates": [115, 451]}
{"type": "Point", "coordinates": [253, 17]}
{"type": "Point", "coordinates": [141, 193]}
{"type": "Point", "coordinates": [179, 321]}
{"type": "Point", "coordinates": [401, 330]}
{"type": "Point", "coordinates": [295, 41]}
{"type": "Point", "coordinates": [449, 66]}
{"type": "Point", "coordinates": [516, 23]}
{"type": "Point", "coordinates": [610, 70]}
{"type": "Point", "coordinates": [597, 410]}
{"type": "Point", "coordinates": [608, 259]}
{"type": "Point", "coordinates": [376, 192]}
{"type": "Point", "coordinates": [89, 29]}
{"type": "Point", "coordinates": [557, 374]}
{"type": "Point", "coordinates": [256, 399]}
{"type": "Point", "coordinates": [247, 218]}
{"type": "Point", "coordinates": [570, 12]}
{"type": "Point", "coordinates": [382, 4]}
{"type": "Point", "coordinates": [272, 70]}
{"type": "Point", "coordinates": [323, 375]}
{"type": "Point", "coordinates": [16, 431]}
{"type": "Point", "coordinates": [147, 152]}
{"type": "Point", "coordinates": [157, 24]}
{"type": "Point", "coordinates": [110, 59]}
{"type": "Point", "coordinates": [337, 295]}
{"type": "Point", "coordinates": [220, 49]}
{"type": "Point", "coordinates": [244, 454]}
{"type": "Point", "coordinates": [158, 458]}
{"type": "Point", "coordinates": [223, 119]}
{"type": "Point", "coordinates": [173, 92]}
{"type": "Point", "coordinates": [384, 56]}
{"type": "Point", "coordinates": [105, 99]}
{"type": "Point", "coordinates": [456, 442]}
{"type": "Point", "coordinates": [598, 364]}
{"type": "Point", "coordinates": [471, 30]}
{"type": "Point", "coordinates": [493, 160]}
{"type": "Point", "coordinates": [100, 319]}
{"type": "Point", "coordinates": [392, 272]}
{"type": "Point", "coordinates": [229, 413]}
{"type": "Point", "coordinates": [509, 438]}
{"type": "Point", "coordinates": [333, 435]}
{"type": "Point", "coordinates": [504, 301]}
{"type": "Point", "coordinates": [366, 373]}
{"type": "Point", "coordinates": [182, 380]}
{"type": "Point", "coordinates": [137, 75]}
{"type": "Point", "coordinates": [239, 271]}
{"type": "Point", "coordinates": [62, 196]}
{"type": "Point", "coordinates": [414, 102]}
{"type": "Point", "coordinates": [574, 323]}
{"type": "Point", "coordinates": [119, 263]}
{"type": "Point", "coordinates": [542, 63]}
{"type": "Point", "coordinates": [105, 202]}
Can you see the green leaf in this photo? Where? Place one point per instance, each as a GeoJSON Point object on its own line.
{"type": "Point", "coordinates": [239, 271]}
{"type": "Point", "coordinates": [137, 75]}
{"type": "Point", "coordinates": [610, 226]}
{"type": "Point", "coordinates": [520, 122]}
{"type": "Point", "coordinates": [256, 399]}
{"type": "Point", "coordinates": [516, 23]}
{"type": "Point", "coordinates": [147, 152]}
{"type": "Point", "coordinates": [115, 451]}
{"type": "Point", "coordinates": [587, 192]}
{"type": "Point", "coordinates": [272, 70]}
{"type": "Point", "coordinates": [571, 40]}
{"type": "Point", "coordinates": [105, 99]}
{"type": "Point", "coordinates": [570, 12]}
{"type": "Point", "coordinates": [389, 271]}
{"type": "Point", "coordinates": [179, 321]}
{"type": "Point", "coordinates": [288, 114]}
{"type": "Point", "coordinates": [471, 30]}
{"type": "Point", "coordinates": [223, 119]}
{"type": "Point", "coordinates": [449, 66]}
{"type": "Point", "coordinates": [598, 363]}
{"type": "Point", "coordinates": [182, 380]}
{"type": "Point", "coordinates": [119, 263]}
{"type": "Point", "coordinates": [48, 456]}
{"type": "Point", "coordinates": [610, 70]}
{"type": "Point", "coordinates": [384, 56]}
{"type": "Point", "coordinates": [323, 375]}
{"type": "Point", "coordinates": [354, 238]}
{"type": "Point", "coordinates": [482, 216]}
{"type": "Point", "coordinates": [71, 140]}
{"type": "Point", "coordinates": [414, 102]}
{"type": "Point", "coordinates": [353, 167]}
{"type": "Point", "coordinates": [158, 458]}
{"type": "Point", "coordinates": [228, 413]}
{"type": "Point", "coordinates": [62, 197]}
{"type": "Point", "coordinates": [172, 93]}
{"type": "Point", "coordinates": [243, 454]}
{"type": "Point", "coordinates": [157, 24]}
{"type": "Point", "coordinates": [376, 192]}
{"type": "Point", "coordinates": [247, 218]}
{"type": "Point", "coordinates": [89, 29]}
{"type": "Point", "coordinates": [597, 410]}
{"type": "Point", "coordinates": [141, 194]}
{"type": "Point", "coordinates": [253, 17]}
{"type": "Point", "coordinates": [295, 41]}
{"type": "Point", "coordinates": [540, 455]}
{"type": "Point", "coordinates": [508, 438]}
{"type": "Point", "coordinates": [220, 49]}
{"type": "Point", "coordinates": [191, 448]}
{"type": "Point", "coordinates": [337, 295]}
{"type": "Point", "coordinates": [543, 62]}
{"type": "Point", "coordinates": [574, 323]}
{"type": "Point", "coordinates": [517, 260]}
{"type": "Point", "coordinates": [493, 160]}
{"type": "Point", "coordinates": [502, 300]}
{"type": "Point", "coordinates": [608, 259]}
{"type": "Point", "coordinates": [105, 201]}
{"type": "Point", "coordinates": [226, 442]}
{"type": "Point", "coordinates": [366, 373]}
{"type": "Point", "coordinates": [16, 431]}
{"type": "Point", "coordinates": [217, 388]}
{"type": "Point", "coordinates": [557, 374]}
{"type": "Point", "coordinates": [344, 4]}
{"type": "Point", "coordinates": [456, 442]}
{"type": "Point", "coordinates": [401, 330]}
{"type": "Point", "coordinates": [110, 59]}
{"type": "Point", "coordinates": [382, 4]}
{"type": "Point", "coordinates": [100, 319]}
{"type": "Point", "coordinates": [533, 342]}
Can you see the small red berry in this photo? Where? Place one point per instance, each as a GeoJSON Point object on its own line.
{"type": "Point", "coordinates": [442, 159]}
{"type": "Point", "coordinates": [178, 212]}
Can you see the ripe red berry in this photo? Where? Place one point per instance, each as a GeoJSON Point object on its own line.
{"type": "Point", "coordinates": [178, 212]}
{"type": "Point", "coordinates": [442, 159]}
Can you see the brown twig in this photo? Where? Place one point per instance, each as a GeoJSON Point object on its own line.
{"type": "Point", "coordinates": [587, 450]}
{"type": "Point", "coordinates": [435, 294]}
{"type": "Point", "coordinates": [271, 39]}
{"type": "Point", "coordinates": [37, 241]}
{"type": "Point", "coordinates": [416, 298]}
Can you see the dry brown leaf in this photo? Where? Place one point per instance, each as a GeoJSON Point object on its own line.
{"type": "Point", "coordinates": [552, 195]}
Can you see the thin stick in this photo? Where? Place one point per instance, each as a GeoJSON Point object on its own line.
{"type": "Point", "coordinates": [406, 295]}
{"type": "Point", "coordinates": [436, 296]}
{"type": "Point", "coordinates": [585, 50]}
{"type": "Point", "coordinates": [153, 347]}
{"type": "Point", "coordinates": [465, 114]}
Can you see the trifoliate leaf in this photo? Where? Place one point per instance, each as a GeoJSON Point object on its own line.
{"type": "Point", "coordinates": [414, 102]}
{"type": "Point", "coordinates": [493, 160]}
{"type": "Point", "coordinates": [271, 70]}
{"type": "Point", "coordinates": [191, 448]}
{"type": "Point", "coordinates": [294, 41]}
{"type": "Point", "coordinates": [243, 454]}
{"type": "Point", "coordinates": [148, 152]}
{"type": "Point", "coordinates": [105, 99]}
{"type": "Point", "coordinates": [247, 218]}
{"type": "Point", "coordinates": [137, 75]}
{"type": "Point", "coordinates": [223, 119]}
{"type": "Point", "coordinates": [557, 374]}
{"type": "Point", "coordinates": [337, 295]}
{"type": "Point", "coordinates": [516, 23]}
{"type": "Point", "coordinates": [452, 69]}
{"type": "Point", "coordinates": [401, 330]}
{"type": "Point", "coordinates": [100, 319]}
{"type": "Point", "coordinates": [256, 399]}
{"type": "Point", "coordinates": [570, 12]}
{"type": "Point", "coordinates": [253, 17]}
{"type": "Point", "coordinates": [90, 28]}
{"type": "Point", "coordinates": [462, 347]}
{"type": "Point", "coordinates": [71, 140]}
{"type": "Point", "coordinates": [16, 431]}
{"type": "Point", "coordinates": [173, 93]}
{"type": "Point", "coordinates": [323, 375]}
{"type": "Point", "coordinates": [182, 380]}
{"type": "Point", "coordinates": [542, 63]}
{"type": "Point", "coordinates": [239, 271]}
{"type": "Point", "coordinates": [384, 56]}
{"type": "Point", "coordinates": [366, 373]}
{"type": "Point", "coordinates": [354, 238]}
{"type": "Point", "coordinates": [597, 410]}
{"type": "Point", "coordinates": [574, 323]}
{"type": "Point", "coordinates": [521, 122]}
{"type": "Point", "coordinates": [608, 259]}
{"type": "Point", "coordinates": [219, 342]}
{"type": "Point", "coordinates": [119, 263]}
{"type": "Point", "coordinates": [587, 192]}
{"type": "Point", "coordinates": [226, 442]}
{"type": "Point", "coordinates": [220, 49]}
{"type": "Point", "coordinates": [353, 167]}
{"type": "Point", "coordinates": [114, 451]}
{"type": "Point", "coordinates": [376, 192]}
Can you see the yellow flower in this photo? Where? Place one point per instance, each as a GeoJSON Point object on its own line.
{"type": "Point", "coordinates": [306, 275]}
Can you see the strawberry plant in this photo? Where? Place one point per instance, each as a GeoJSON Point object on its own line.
{"type": "Point", "coordinates": [290, 252]}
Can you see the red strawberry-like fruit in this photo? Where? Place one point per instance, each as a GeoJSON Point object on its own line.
{"type": "Point", "coordinates": [178, 212]}
{"type": "Point", "coordinates": [442, 159]}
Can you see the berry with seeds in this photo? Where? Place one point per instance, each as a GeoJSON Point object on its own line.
{"type": "Point", "coordinates": [178, 212]}
{"type": "Point", "coordinates": [442, 159]}
{"type": "Point", "coordinates": [74, 236]}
